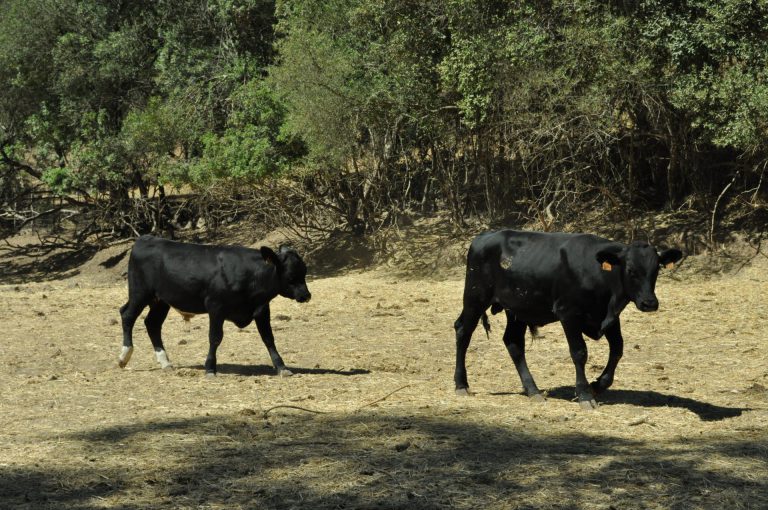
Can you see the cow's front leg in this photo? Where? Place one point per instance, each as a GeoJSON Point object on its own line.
{"type": "Point", "coordinates": [215, 335]}
{"type": "Point", "coordinates": [264, 326]}
{"type": "Point", "coordinates": [616, 350]}
{"type": "Point", "coordinates": [578, 349]}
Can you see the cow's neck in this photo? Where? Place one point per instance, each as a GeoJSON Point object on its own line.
{"type": "Point", "coordinates": [616, 303]}
{"type": "Point", "coordinates": [265, 287]}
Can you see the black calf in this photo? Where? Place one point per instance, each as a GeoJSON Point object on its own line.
{"type": "Point", "coordinates": [229, 283]}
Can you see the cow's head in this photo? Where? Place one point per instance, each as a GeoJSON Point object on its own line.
{"type": "Point", "coordinates": [291, 272]}
{"type": "Point", "coordinates": [639, 264]}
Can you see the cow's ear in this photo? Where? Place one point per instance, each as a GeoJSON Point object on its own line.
{"type": "Point", "coordinates": [667, 258]}
{"type": "Point", "coordinates": [269, 256]}
{"type": "Point", "coordinates": [609, 257]}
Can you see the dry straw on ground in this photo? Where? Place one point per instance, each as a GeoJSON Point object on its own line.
{"type": "Point", "coordinates": [684, 426]}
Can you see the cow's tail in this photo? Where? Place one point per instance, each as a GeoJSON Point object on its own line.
{"type": "Point", "coordinates": [486, 325]}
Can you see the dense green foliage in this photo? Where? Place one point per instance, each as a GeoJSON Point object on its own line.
{"type": "Point", "coordinates": [466, 105]}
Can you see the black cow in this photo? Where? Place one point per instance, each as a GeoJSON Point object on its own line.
{"type": "Point", "coordinates": [581, 280]}
{"type": "Point", "coordinates": [226, 282]}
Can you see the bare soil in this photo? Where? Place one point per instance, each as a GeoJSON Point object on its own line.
{"type": "Point", "coordinates": [370, 419]}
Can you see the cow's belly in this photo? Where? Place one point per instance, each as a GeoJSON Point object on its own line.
{"type": "Point", "coordinates": [185, 304]}
{"type": "Point", "coordinates": [185, 296]}
{"type": "Point", "coordinates": [189, 304]}
{"type": "Point", "coordinates": [531, 307]}
{"type": "Point", "coordinates": [241, 318]}
{"type": "Point", "coordinates": [534, 317]}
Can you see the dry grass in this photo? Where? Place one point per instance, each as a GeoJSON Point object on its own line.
{"type": "Point", "coordinates": [684, 427]}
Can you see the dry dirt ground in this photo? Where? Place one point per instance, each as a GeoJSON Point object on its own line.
{"type": "Point", "coordinates": [370, 419]}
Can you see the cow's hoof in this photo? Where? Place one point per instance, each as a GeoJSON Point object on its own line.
{"type": "Point", "coordinates": [125, 356]}
{"type": "Point", "coordinates": [537, 397]}
{"type": "Point", "coordinates": [596, 388]}
{"type": "Point", "coordinates": [167, 367]}
{"type": "Point", "coordinates": [162, 358]}
{"type": "Point", "coordinates": [210, 374]}
{"type": "Point", "coordinates": [588, 405]}
{"type": "Point", "coordinates": [284, 372]}
{"type": "Point", "coordinates": [463, 392]}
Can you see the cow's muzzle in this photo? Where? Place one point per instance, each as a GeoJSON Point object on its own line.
{"type": "Point", "coordinates": [648, 305]}
{"type": "Point", "coordinates": [303, 298]}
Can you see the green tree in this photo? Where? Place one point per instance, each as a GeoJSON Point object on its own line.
{"type": "Point", "coordinates": [101, 99]}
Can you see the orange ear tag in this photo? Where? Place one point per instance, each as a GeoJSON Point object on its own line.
{"type": "Point", "coordinates": [606, 266]}
{"type": "Point", "coordinates": [669, 265]}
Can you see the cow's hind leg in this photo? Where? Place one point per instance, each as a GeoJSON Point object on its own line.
{"type": "Point", "coordinates": [158, 311]}
{"type": "Point", "coordinates": [616, 350]}
{"type": "Point", "coordinates": [465, 325]}
{"type": "Point", "coordinates": [265, 330]}
{"type": "Point", "coordinates": [514, 340]}
{"type": "Point", "coordinates": [578, 349]}
{"type": "Point", "coordinates": [129, 312]}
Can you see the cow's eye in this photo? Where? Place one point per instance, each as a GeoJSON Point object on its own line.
{"type": "Point", "coordinates": [632, 273]}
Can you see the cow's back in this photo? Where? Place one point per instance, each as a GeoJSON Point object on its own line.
{"type": "Point", "coordinates": [524, 256]}
{"type": "Point", "coordinates": [526, 272]}
{"type": "Point", "coordinates": [160, 260]}
{"type": "Point", "coordinates": [185, 274]}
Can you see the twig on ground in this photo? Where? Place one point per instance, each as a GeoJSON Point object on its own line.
{"type": "Point", "coordinates": [383, 398]}
{"type": "Point", "coordinates": [285, 406]}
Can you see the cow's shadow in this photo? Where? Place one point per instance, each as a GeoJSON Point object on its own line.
{"type": "Point", "coordinates": [649, 398]}
{"type": "Point", "coordinates": [262, 370]}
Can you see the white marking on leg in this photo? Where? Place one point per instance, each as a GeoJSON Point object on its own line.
{"type": "Point", "coordinates": [162, 358]}
{"type": "Point", "coordinates": [125, 356]}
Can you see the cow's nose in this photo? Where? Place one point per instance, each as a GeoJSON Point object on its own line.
{"type": "Point", "coordinates": [649, 305]}
{"type": "Point", "coordinates": [304, 298]}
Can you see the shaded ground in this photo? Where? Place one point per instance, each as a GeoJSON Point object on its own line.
{"type": "Point", "coordinates": [374, 422]}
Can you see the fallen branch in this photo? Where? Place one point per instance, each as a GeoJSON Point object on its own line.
{"type": "Point", "coordinates": [299, 408]}
{"type": "Point", "coordinates": [285, 406]}
{"type": "Point", "coordinates": [382, 398]}
{"type": "Point", "coordinates": [714, 211]}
